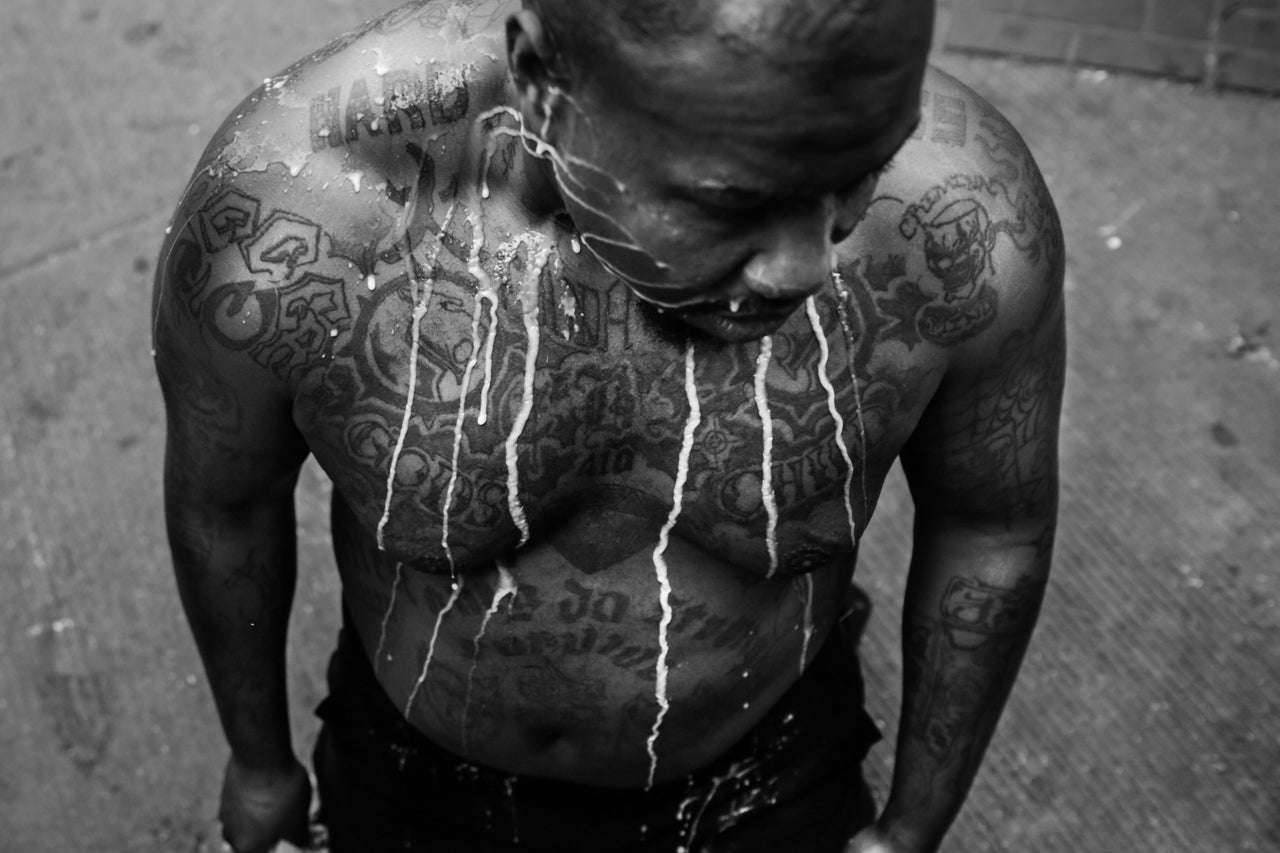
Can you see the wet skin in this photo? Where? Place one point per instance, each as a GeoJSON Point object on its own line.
{"type": "Point", "coordinates": [273, 344]}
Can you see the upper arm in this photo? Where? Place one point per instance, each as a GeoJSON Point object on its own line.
{"type": "Point", "coordinates": [984, 455]}
{"type": "Point", "coordinates": [231, 437]}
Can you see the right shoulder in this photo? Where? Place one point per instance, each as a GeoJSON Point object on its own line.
{"type": "Point", "coordinates": [297, 198]}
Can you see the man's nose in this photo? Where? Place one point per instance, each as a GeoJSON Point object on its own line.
{"type": "Point", "coordinates": [794, 257]}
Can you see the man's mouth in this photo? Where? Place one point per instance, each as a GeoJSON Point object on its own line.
{"type": "Point", "coordinates": [748, 310]}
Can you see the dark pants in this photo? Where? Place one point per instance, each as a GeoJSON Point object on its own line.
{"type": "Point", "coordinates": [793, 784]}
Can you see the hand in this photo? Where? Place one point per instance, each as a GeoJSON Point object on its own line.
{"type": "Point", "coordinates": [262, 807]}
{"type": "Point", "coordinates": [875, 839]}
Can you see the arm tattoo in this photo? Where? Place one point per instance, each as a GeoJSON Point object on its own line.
{"type": "Point", "coordinates": [959, 664]}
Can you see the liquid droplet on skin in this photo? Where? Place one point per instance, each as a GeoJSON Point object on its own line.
{"type": "Point", "coordinates": [660, 563]}
{"type": "Point", "coordinates": [371, 282]}
{"type": "Point", "coordinates": [767, 496]}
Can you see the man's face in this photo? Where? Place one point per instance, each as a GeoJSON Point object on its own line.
{"type": "Point", "coordinates": [715, 182]}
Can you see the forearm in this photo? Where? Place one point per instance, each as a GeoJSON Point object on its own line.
{"type": "Point", "coordinates": [235, 571]}
{"type": "Point", "coordinates": [968, 618]}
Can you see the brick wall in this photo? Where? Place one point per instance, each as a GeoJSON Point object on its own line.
{"type": "Point", "coordinates": [1233, 43]}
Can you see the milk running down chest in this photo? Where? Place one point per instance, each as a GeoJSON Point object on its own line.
{"type": "Point", "coordinates": [469, 428]}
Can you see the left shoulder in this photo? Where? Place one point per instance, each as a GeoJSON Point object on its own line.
{"type": "Point", "coordinates": [965, 217]}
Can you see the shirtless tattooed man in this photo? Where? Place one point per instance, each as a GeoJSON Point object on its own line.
{"type": "Point", "coordinates": [607, 319]}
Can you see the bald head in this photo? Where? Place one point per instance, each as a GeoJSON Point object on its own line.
{"type": "Point", "coordinates": [782, 34]}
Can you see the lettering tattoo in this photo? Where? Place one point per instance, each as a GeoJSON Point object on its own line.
{"type": "Point", "coordinates": [600, 624]}
{"type": "Point", "coordinates": [947, 123]}
{"type": "Point", "coordinates": [407, 102]}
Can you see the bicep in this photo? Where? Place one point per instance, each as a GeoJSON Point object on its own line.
{"type": "Point", "coordinates": [985, 454]}
{"type": "Point", "coordinates": [231, 439]}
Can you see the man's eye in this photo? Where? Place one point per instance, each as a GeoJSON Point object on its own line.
{"type": "Point", "coordinates": [728, 209]}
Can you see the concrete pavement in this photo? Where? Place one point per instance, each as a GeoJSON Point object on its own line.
{"type": "Point", "coordinates": [1147, 715]}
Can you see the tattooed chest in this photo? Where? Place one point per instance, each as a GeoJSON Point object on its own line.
{"type": "Point", "coordinates": [479, 427]}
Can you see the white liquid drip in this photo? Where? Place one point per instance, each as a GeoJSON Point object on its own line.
{"type": "Point", "coordinates": [660, 562]}
{"type": "Point", "coordinates": [529, 304]}
{"type": "Point", "coordinates": [511, 807]}
{"type": "Point", "coordinates": [386, 619]}
{"type": "Point", "coordinates": [431, 646]}
{"type": "Point", "coordinates": [483, 417]}
{"type": "Point", "coordinates": [824, 359]}
{"type": "Point", "coordinates": [487, 292]}
{"type": "Point", "coordinates": [767, 496]}
{"type": "Point", "coordinates": [506, 589]}
{"type": "Point", "coordinates": [486, 285]}
{"type": "Point", "coordinates": [422, 299]}
{"type": "Point", "coordinates": [693, 826]}
{"type": "Point", "coordinates": [842, 293]}
{"type": "Point", "coordinates": [808, 622]}
{"type": "Point", "coordinates": [538, 147]}
{"type": "Point", "coordinates": [486, 157]}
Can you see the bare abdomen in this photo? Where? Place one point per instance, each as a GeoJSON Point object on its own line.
{"type": "Point", "coordinates": [544, 669]}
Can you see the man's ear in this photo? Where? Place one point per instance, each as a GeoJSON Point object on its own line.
{"type": "Point", "coordinates": [533, 63]}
